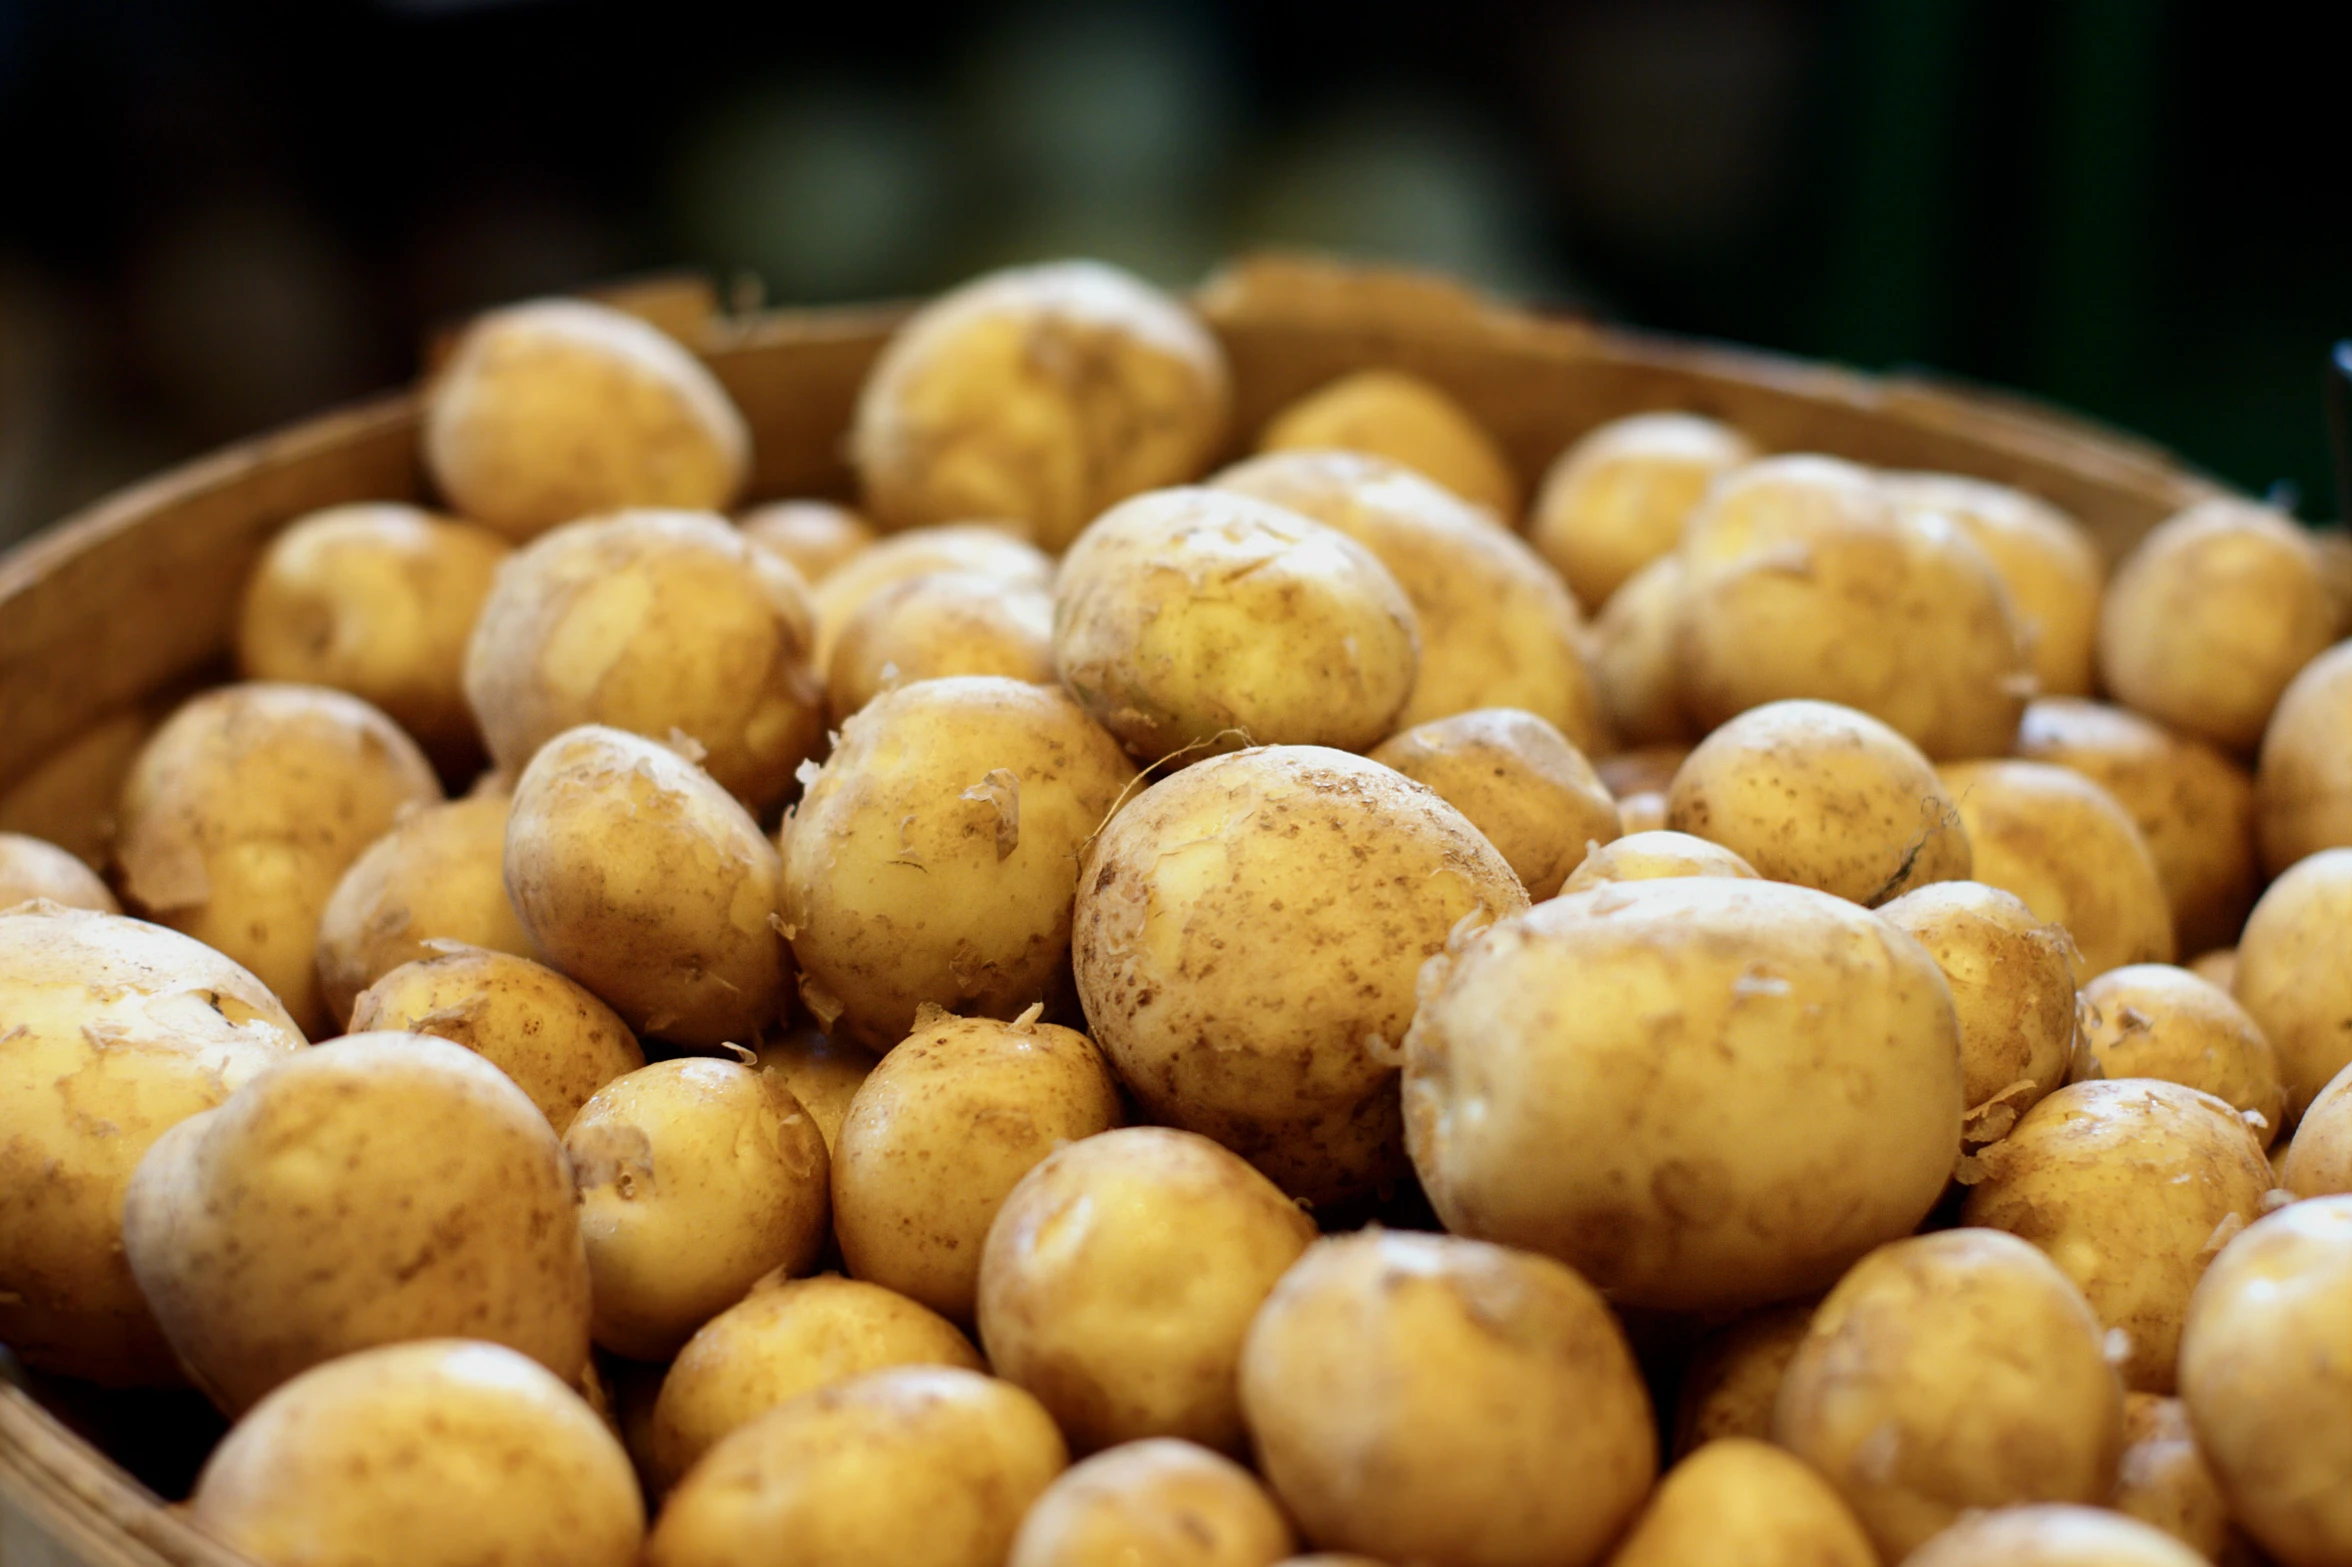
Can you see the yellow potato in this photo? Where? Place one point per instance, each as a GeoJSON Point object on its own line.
{"type": "Point", "coordinates": [2153, 1020]}
{"type": "Point", "coordinates": [2164, 1480]}
{"type": "Point", "coordinates": [1617, 498]}
{"type": "Point", "coordinates": [814, 538]}
{"type": "Point", "coordinates": [2046, 560]}
{"type": "Point", "coordinates": [1633, 658]}
{"type": "Point", "coordinates": [2220, 966]}
{"type": "Point", "coordinates": [984, 549]}
{"type": "Point", "coordinates": [67, 797]}
{"type": "Point", "coordinates": [822, 1073]}
{"type": "Point", "coordinates": [1153, 1504]}
{"type": "Point", "coordinates": [1745, 1501]}
{"type": "Point", "coordinates": [1644, 813]}
{"type": "Point", "coordinates": [2295, 973]}
{"type": "Point", "coordinates": [1733, 1379]}
{"type": "Point", "coordinates": [2303, 784]}
{"type": "Point", "coordinates": [941, 623]}
{"type": "Point", "coordinates": [1408, 421]}
{"type": "Point", "coordinates": [35, 868]}
{"type": "Point", "coordinates": [1656, 856]}
{"type": "Point", "coordinates": [2319, 1160]}
{"type": "Point", "coordinates": [2053, 1535]}
{"type": "Point", "coordinates": [1520, 783]}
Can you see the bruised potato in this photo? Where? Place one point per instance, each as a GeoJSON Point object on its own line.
{"type": "Point", "coordinates": [2045, 559]}
{"type": "Point", "coordinates": [1617, 498]}
{"type": "Point", "coordinates": [35, 868]}
{"type": "Point", "coordinates": [1656, 856]}
{"type": "Point", "coordinates": [822, 1073]}
{"type": "Point", "coordinates": [1408, 421]}
{"type": "Point", "coordinates": [2295, 973]}
{"type": "Point", "coordinates": [943, 623]}
{"type": "Point", "coordinates": [1732, 1381]}
{"type": "Point", "coordinates": [984, 549]}
{"type": "Point", "coordinates": [1519, 781]}
{"type": "Point", "coordinates": [2303, 783]}
{"type": "Point", "coordinates": [1748, 1501]}
{"type": "Point", "coordinates": [814, 538]}
{"type": "Point", "coordinates": [1153, 1503]}
{"type": "Point", "coordinates": [2154, 1020]}
{"type": "Point", "coordinates": [2319, 1160]}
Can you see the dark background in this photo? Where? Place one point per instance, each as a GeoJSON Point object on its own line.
{"type": "Point", "coordinates": [219, 216]}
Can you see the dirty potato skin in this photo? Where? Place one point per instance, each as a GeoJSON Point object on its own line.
{"type": "Point", "coordinates": [2164, 1481]}
{"type": "Point", "coordinates": [1656, 856]}
{"type": "Point", "coordinates": [2154, 1020]}
{"type": "Point", "coordinates": [2295, 972]}
{"type": "Point", "coordinates": [1733, 1378]}
{"type": "Point", "coordinates": [1519, 781]}
{"type": "Point", "coordinates": [1405, 420]}
{"type": "Point", "coordinates": [1289, 871]}
{"type": "Point", "coordinates": [982, 549]}
{"type": "Point", "coordinates": [35, 868]}
{"type": "Point", "coordinates": [1616, 499]}
{"type": "Point", "coordinates": [1746, 1501]}
{"type": "Point", "coordinates": [1156, 1503]}
{"type": "Point", "coordinates": [2303, 783]}
{"type": "Point", "coordinates": [940, 624]}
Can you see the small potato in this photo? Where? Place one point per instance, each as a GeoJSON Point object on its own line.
{"type": "Point", "coordinates": [376, 599]}
{"type": "Point", "coordinates": [443, 1453]}
{"type": "Point", "coordinates": [2164, 1481]}
{"type": "Point", "coordinates": [244, 811]}
{"type": "Point", "coordinates": [1408, 421]}
{"type": "Point", "coordinates": [35, 868]}
{"type": "Point", "coordinates": [1120, 1277]}
{"type": "Point", "coordinates": [553, 1037]}
{"type": "Point", "coordinates": [1519, 781]}
{"type": "Point", "coordinates": [696, 1179]}
{"type": "Point", "coordinates": [2046, 560]}
{"type": "Point", "coordinates": [1733, 1379]}
{"type": "Point", "coordinates": [2266, 1370]}
{"type": "Point", "coordinates": [438, 875]}
{"type": "Point", "coordinates": [2154, 1020]}
{"type": "Point", "coordinates": [558, 409]}
{"type": "Point", "coordinates": [1656, 856]}
{"type": "Point", "coordinates": [1617, 498]}
{"type": "Point", "coordinates": [1160, 1503]}
{"type": "Point", "coordinates": [942, 623]}
{"type": "Point", "coordinates": [2130, 1187]}
{"type": "Point", "coordinates": [918, 1464]}
{"type": "Point", "coordinates": [822, 1073]}
{"type": "Point", "coordinates": [814, 538]}
{"type": "Point", "coordinates": [1046, 393]}
{"type": "Point", "coordinates": [2303, 784]}
{"type": "Point", "coordinates": [663, 623]}
{"type": "Point", "coordinates": [2063, 846]}
{"type": "Point", "coordinates": [2220, 966]}
{"type": "Point", "coordinates": [385, 1188]}
{"type": "Point", "coordinates": [1290, 872]}
{"type": "Point", "coordinates": [1703, 1094]}
{"type": "Point", "coordinates": [2206, 622]}
{"type": "Point", "coordinates": [984, 549]}
{"type": "Point", "coordinates": [1633, 658]}
{"type": "Point", "coordinates": [1824, 797]}
{"type": "Point", "coordinates": [786, 1338]}
{"type": "Point", "coordinates": [68, 796]}
{"type": "Point", "coordinates": [1425, 1398]}
{"type": "Point", "coordinates": [2193, 806]}
{"type": "Point", "coordinates": [1952, 1371]}
{"type": "Point", "coordinates": [2053, 1535]}
{"type": "Point", "coordinates": [1638, 813]}
{"type": "Point", "coordinates": [1745, 1501]}
{"type": "Point", "coordinates": [1191, 618]}
{"type": "Point", "coordinates": [941, 1131]}
{"type": "Point", "coordinates": [2295, 973]}
{"type": "Point", "coordinates": [638, 876]}
{"type": "Point", "coordinates": [2319, 1160]}
{"type": "Point", "coordinates": [114, 1031]}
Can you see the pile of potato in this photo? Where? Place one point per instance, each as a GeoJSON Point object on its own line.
{"type": "Point", "coordinates": [1112, 1009]}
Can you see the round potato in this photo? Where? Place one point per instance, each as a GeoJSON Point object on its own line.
{"type": "Point", "coordinates": [1744, 1500]}
{"type": "Point", "coordinates": [1294, 872]}
{"type": "Point", "coordinates": [2130, 1187]}
{"type": "Point", "coordinates": [984, 549]}
{"type": "Point", "coordinates": [2295, 973]}
{"type": "Point", "coordinates": [814, 538]}
{"type": "Point", "coordinates": [2154, 1020]}
{"type": "Point", "coordinates": [1633, 658]}
{"type": "Point", "coordinates": [2266, 1370]}
{"type": "Point", "coordinates": [115, 1031]}
{"type": "Point", "coordinates": [1120, 1277]}
{"type": "Point", "coordinates": [559, 409]}
{"type": "Point", "coordinates": [822, 1073]}
{"type": "Point", "coordinates": [942, 623]}
{"type": "Point", "coordinates": [35, 868]}
{"type": "Point", "coordinates": [2064, 848]}
{"type": "Point", "coordinates": [1426, 1398]}
{"type": "Point", "coordinates": [245, 809]}
{"type": "Point", "coordinates": [2210, 617]}
{"type": "Point", "coordinates": [1154, 1504]}
{"type": "Point", "coordinates": [1408, 421]}
{"type": "Point", "coordinates": [1044, 393]}
{"type": "Point", "coordinates": [662, 623]}
{"type": "Point", "coordinates": [2303, 784]}
{"type": "Point", "coordinates": [914, 1464]}
{"type": "Point", "coordinates": [1704, 1094]}
{"type": "Point", "coordinates": [407, 1189]}
{"type": "Point", "coordinates": [2319, 1160]}
{"type": "Point", "coordinates": [696, 1179]}
{"type": "Point", "coordinates": [1656, 856]}
{"type": "Point", "coordinates": [67, 797]}
{"type": "Point", "coordinates": [376, 599]}
{"type": "Point", "coordinates": [1617, 498]}
{"type": "Point", "coordinates": [2053, 1535]}
{"type": "Point", "coordinates": [2046, 560]}
{"type": "Point", "coordinates": [2164, 1481]}
{"type": "Point", "coordinates": [638, 876]}
{"type": "Point", "coordinates": [1733, 1378]}
{"type": "Point", "coordinates": [1519, 781]}
{"type": "Point", "coordinates": [443, 1453]}
{"type": "Point", "coordinates": [1824, 797]}
{"type": "Point", "coordinates": [1191, 618]}
{"type": "Point", "coordinates": [934, 857]}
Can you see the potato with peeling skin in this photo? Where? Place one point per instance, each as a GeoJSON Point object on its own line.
{"type": "Point", "coordinates": [2053, 1535]}
{"type": "Point", "coordinates": [822, 1073]}
{"type": "Point", "coordinates": [985, 549]}
{"type": "Point", "coordinates": [2045, 558]}
{"type": "Point", "coordinates": [2154, 1020]}
{"type": "Point", "coordinates": [1733, 1378]}
{"type": "Point", "coordinates": [1656, 856]}
{"type": "Point", "coordinates": [2319, 1159]}
{"type": "Point", "coordinates": [2303, 783]}
{"type": "Point", "coordinates": [935, 625]}
{"type": "Point", "coordinates": [1616, 499]}
{"type": "Point", "coordinates": [1519, 781]}
{"type": "Point", "coordinates": [1633, 658]}
{"type": "Point", "coordinates": [1408, 421]}
{"type": "Point", "coordinates": [2164, 1481]}
{"type": "Point", "coordinates": [814, 538]}
{"type": "Point", "coordinates": [2295, 973]}
{"type": "Point", "coordinates": [35, 868]}
{"type": "Point", "coordinates": [1749, 1502]}
{"type": "Point", "coordinates": [1159, 1503]}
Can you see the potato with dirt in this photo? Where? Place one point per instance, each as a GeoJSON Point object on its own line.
{"type": "Point", "coordinates": [984, 549]}
{"type": "Point", "coordinates": [2154, 1020]}
{"type": "Point", "coordinates": [1154, 1502]}
{"type": "Point", "coordinates": [1616, 499]}
{"type": "Point", "coordinates": [1732, 1379]}
{"type": "Point", "coordinates": [1656, 856]}
{"type": "Point", "coordinates": [1406, 420]}
{"type": "Point", "coordinates": [2045, 558]}
{"type": "Point", "coordinates": [1519, 781]}
{"type": "Point", "coordinates": [823, 1074]}
{"type": "Point", "coordinates": [936, 625]}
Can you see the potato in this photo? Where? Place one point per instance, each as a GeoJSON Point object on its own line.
{"type": "Point", "coordinates": [660, 623]}
{"type": "Point", "coordinates": [1387, 413]}
{"type": "Point", "coordinates": [2045, 559]}
{"type": "Point", "coordinates": [35, 868]}
{"type": "Point", "coordinates": [2210, 617]}
{"type": "Point", "coordinates": [1160, 1503]}
{"type": "Point", "coordinates": [1733, 1378]}
{"type": "Point", "coordinates": [113, 1031]}
{"type": "Point", "coordinates": [1952, 1371]}
{"type": "Point", "coordinates": [1616, 499]}
{"type": "Point", "coordinates": [376, 599]}
{"type": "Point", "coordinates": [558, 409]}
{"type": "Point", "coordinates": [934, 858]}
{"type": "Point", "coordinates": [786, 1338]}
{"type": "Point", "coordinates": [438, 875]}
{"type": "Point", "coordinates": [2154, 1020]}
{"type": "Point", "coordinates": [814, 538]}
{"type": "Point", "coordinates": [67, 796]}
{"type": "Point", "coordinates": [1645, 813]}
{"type": "Point", "coordinates": [2064, 848]}
{"type": "Point", "coordinates": [1497, 629]}
{"type": "Point", "coordinates": [1120, 1277]}
{"type": "Point", "coordinates": [916, 1464]}
{"type": "Point", "coordinates": [1520, 783]}
{"type": "Point", "coordinates": [444, 1453]}
{"type": "Point", "coordinates": [822, 1073]}
{"type": "Point", "coordinates": [2130, 1187]}
{"type": "Point", "coordinates": [2295, 973]}
{"type": "Point", "coordinates": [1703, 1094]}
{"type": "Point", "coordinates": [2266, 1370]}
{"type": "Point", "coordinates": [2319, 1160]}
{"type": "Point", "coordinates": [2303, 784]}
{"type": "Point", "coordinates": [1654, 856]}
{"type": "Point", "coordinates": [982, 548]}
{"type": "Point", "coordinates": [942, 623]}
{"type": "Point", "coordinates": [1426, 1398]}
{"type": "Point", "coordinates": [1294, 872]}
{"type": "Point", "coordinates": [386, 1188]}
{"type": "Point", "coordinates": [941, 1131]}
{"type": "Point", "coordinates": [1633, 658]}
{"type": "Point", "coordinates": [1824, 797]}
{"type": "Point", "coordinates": [2220, 966]}
{"type": "Point", "coordinates": [1045, 393]}
{"type": "Point", "coordinates": [2333, 542]}
{"type": "Point", "coordinates": [2193, 806]}
{"type": "Point", "coordinates": [553, 1037]}
{"type": "Point", "coordinates": [696, 1179]}
{"type": "Point", "coordinates": [245, 809]}
{"type": "Point", "coordinates": [1639, 779]}
{"type": "Point", "coordinates": [2053, 1536]}
{"type": "Point", "coordinates": [2164, 1481]}
{"type": "Point", "coordinates": [1744, 1501]}
{"type": "Point", "coordinates": [1191, 618]}
{"type": "Point", "coordinates": [2012, 983]}
{"type": "Point", "coordinates": [640, 877]}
